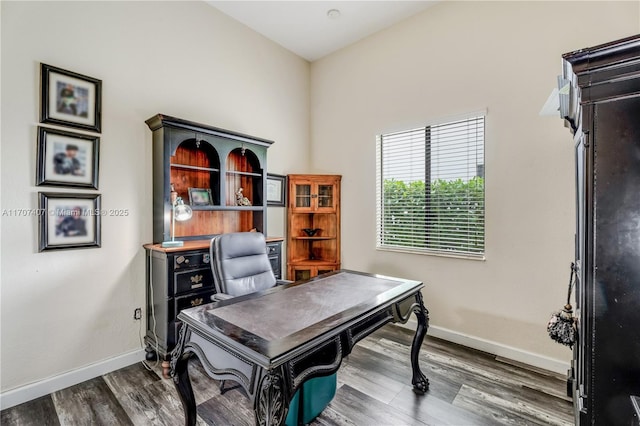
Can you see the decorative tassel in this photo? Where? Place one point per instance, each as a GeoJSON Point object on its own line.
{"type": "Point", "coordinates": [562, 325]}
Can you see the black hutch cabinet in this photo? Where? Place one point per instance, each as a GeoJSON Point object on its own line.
{"type": "Point", "coordinates": [221, 174]}
{"type": "Point", "coordinates": [603, 111]}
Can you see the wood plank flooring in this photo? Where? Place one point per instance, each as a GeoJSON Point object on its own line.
{"type": "Point", "coordinates": [468, 387]}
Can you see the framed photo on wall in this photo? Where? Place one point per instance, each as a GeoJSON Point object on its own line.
{"type": "Point", "coordinates": [69, 221]}
{"type": "Point", "coordinates": [276, 190]}
{"type": "Point", "coordinates": [70, 99]}
{"type": "Point", "coordinates": [67, 159]}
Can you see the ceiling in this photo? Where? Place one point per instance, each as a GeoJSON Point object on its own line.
{"type": "Point", "coordinates": [305, 28]}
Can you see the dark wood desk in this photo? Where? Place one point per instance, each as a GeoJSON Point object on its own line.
{"type": "Point", "coordinates": [273, 341]}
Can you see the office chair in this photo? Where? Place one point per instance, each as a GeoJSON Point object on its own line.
{"type": "Point", "coordinates": [240, 266]}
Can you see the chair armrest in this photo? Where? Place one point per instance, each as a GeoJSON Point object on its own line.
{"type": "Point", "coordinates": [283, 282]}
{"type": "Point", "coordinates": [217, 297]}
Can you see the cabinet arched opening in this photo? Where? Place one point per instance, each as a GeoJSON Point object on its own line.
{"type": "Point", "coordinates": [195, 164]}
{"type": "Point", "coordinates": [244, 179]}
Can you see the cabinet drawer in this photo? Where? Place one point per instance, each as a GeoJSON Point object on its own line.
{"type": "Point", "coordinates": [177, 304]}
{"type": "Point", "coordinates": [192, 300]}
{"type": "Point", "coordinates": [193, 279]}
{"type": "Point", "coordinates": [191, 260]}
{"type": "Point", "coordinates": [275, 266]}
{"type": "Point", "coordinates": [274, 248]}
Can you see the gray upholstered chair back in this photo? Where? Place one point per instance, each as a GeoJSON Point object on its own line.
{"type": "Point", "coordinates": [240, 263]}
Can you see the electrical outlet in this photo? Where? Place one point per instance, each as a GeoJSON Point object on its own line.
{"type": "Point", "coordinates": [137, 314]}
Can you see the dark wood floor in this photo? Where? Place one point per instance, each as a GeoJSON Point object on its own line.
{"type": "Point", "coordinates": [468, 387]}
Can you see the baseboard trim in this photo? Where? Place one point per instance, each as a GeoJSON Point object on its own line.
{"type": "Point", "coordinates": [504, 351]}
{"type": "Point", "coordinates": [52, 384]}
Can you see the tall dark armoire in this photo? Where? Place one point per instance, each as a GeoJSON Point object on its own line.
{"type": "Point", "coordinates": [603, 111]}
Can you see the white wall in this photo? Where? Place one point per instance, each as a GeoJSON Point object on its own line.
{"type": "Point", "coordinates": [65, 310]}
{"type": "Point", "coordinates": [455, 58]}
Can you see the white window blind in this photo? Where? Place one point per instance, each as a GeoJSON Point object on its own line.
{"type": "Point", "coordinates": [430, 189]}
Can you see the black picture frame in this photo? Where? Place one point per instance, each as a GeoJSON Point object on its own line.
{"type": "Point", "coordinates": [70, 99]}
{"type": "Point", "coordinates": [69, 221]}
{"type": "Point", "coordinates": [67, 159]}
{"type": "Point", "coordinates": [200, 197]}
{"type": "Point", "coordinates": [276, 190]}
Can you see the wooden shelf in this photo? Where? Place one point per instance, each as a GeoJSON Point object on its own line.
{"type": "Point", "coordinates": [186, 166]}
{"type": "Point", "coordinates": [227, 208]}
{"type": "Point", "coordinates": [314, 262]}
{"type": "Point", "coordinates": [244, 173]}
{"type": "Point", "coordinates": [314, 238]}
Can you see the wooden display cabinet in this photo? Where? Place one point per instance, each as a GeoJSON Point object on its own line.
{"type": "Point", "coordinates": [314, 205]}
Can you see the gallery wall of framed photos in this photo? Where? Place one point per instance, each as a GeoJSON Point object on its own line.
{"type": "Point", "coordinates": [68, 158]}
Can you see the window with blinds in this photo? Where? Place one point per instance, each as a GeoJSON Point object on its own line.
{"type": "Point", "coordinates": [430, 189]}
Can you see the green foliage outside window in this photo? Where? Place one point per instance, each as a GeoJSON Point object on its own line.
{"type": "Point", "coordinates": [450, 219]}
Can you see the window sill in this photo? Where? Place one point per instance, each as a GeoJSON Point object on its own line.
{"type": "Point", "coordinates": [480, 257]}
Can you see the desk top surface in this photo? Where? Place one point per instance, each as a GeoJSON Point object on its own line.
{"type": "Point", "coordinates": [282, 318]}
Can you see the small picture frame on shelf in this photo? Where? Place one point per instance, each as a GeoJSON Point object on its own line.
{"type": "Point", "coordinates": [69, 221]}
{"type": "Point", "coordinates": [200, 197]}
{"type": "Point", "coordinates": [67, 159]}
{"type": "Point", "coordinates": [276, 190]}
{"type": "Point", "coordinates": [70, 99]}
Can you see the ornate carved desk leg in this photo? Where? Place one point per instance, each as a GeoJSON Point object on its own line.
{"type": "Point", "coordinates": [180, 374]}
{"type": "Point", "coordinates": [419, 381]}
{"type": "Point", "coordinates": [270, 405]}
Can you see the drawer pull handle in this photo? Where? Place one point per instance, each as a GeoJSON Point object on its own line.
{"type": "Point", "coordinates": [197, 302]}
{"type": "Point", "coordinates": [196, 286]}
{"type": "Point", "coordinates": [196, 279]}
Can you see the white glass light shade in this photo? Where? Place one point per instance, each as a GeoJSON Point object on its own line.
{"type": "Point", "coordinates": [181, 212]}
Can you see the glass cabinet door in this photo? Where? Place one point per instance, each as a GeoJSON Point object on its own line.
{"type": "Point", "coordinates": [307, 272]}
{"type": "Point", "coordinates": [325, 269]}
{"type": "Point", "coordinates": [310, 196]}
{"type": "Point", "coordinates": [303, 195]}
{"type": "Point", "coordinates": [325, 196]}
{"type": "Point", "coordinates": [302, 274]}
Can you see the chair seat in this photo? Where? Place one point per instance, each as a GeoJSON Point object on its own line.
{"type": "Point", "coordinates": [317, 394]}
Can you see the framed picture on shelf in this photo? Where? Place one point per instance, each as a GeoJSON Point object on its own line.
{"type": "Point", "coordinates": [276, 190]}
{"type": "Point", "coordinates": [69, 221]}
{"type": "Point", "coordinates": [200, 197]}
{"type": "Point", "coordinates": [67, 159]}
{"type": "Point", "coordinates": [70, 99]}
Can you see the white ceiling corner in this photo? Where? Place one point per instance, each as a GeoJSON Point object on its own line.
{"type": "Point", "coordinates": [304, 28]}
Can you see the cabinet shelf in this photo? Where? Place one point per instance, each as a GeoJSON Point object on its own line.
{"type": "Point", "coordinates": [314, 262]}
{"type": "Point", "coordinates": [227, 208]}
{"type": "Point", "coordinates": [244, 173]}
{"type": "Point", "coordinates": [186, 166]}
{"type": "Point", "coordinates": [241, 208]}
{"type": "Point", "coordinates": [314, 238]}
